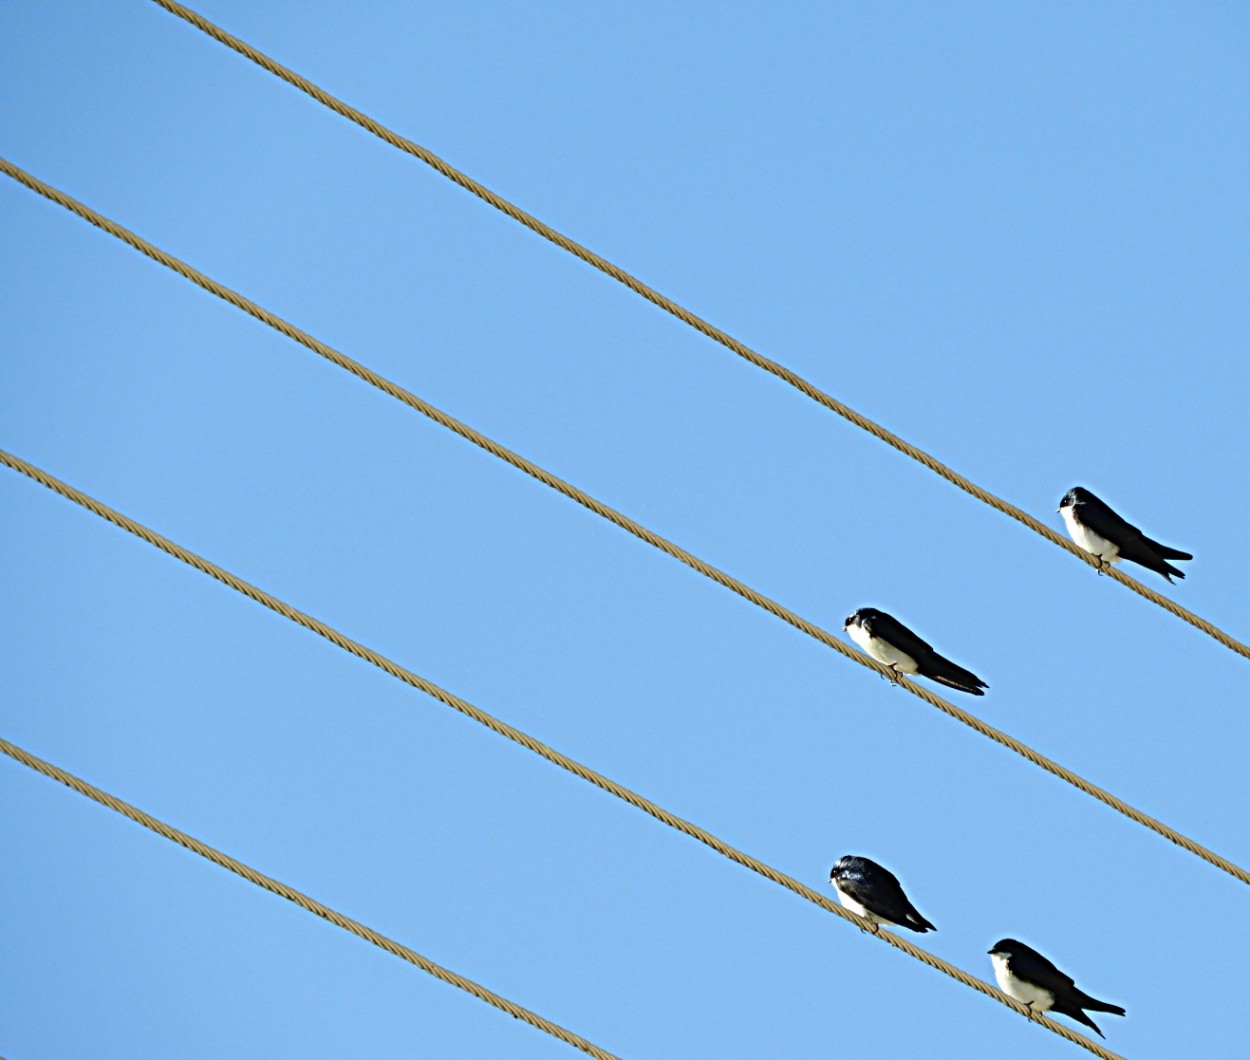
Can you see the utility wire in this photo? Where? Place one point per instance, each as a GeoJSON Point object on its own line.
{"type": "Point", "coordinates": [618, 518]}
{"type": "Point", "coordinates": [303, 901]}
{"type": "Point", "coordinates": [685, 316]}
{"type": "Point", "coordinates": [479, 715]}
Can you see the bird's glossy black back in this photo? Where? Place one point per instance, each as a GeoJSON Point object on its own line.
{"type": "Point", "coordinates": [877, 889]}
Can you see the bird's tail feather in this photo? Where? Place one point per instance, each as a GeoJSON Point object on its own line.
{"type": "Point", "coordinates": [919, 923]}
{"type": "Point", "coordinates": [1098, 1006]}
{"type": "Point", "coordinates": [1077, 1014]}
{"type": "Point", "coordinates": [1165, 552]}
{"type": "Point", "coordinates": [956, 677]}
{"type": "Point", "coordinates": [1170, 572]}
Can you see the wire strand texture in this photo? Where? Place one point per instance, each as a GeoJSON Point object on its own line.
{"type": "Point", "coordinates": [502, 728]}
{"type": "Point", "coordinates": [783, 373]}
{"type": "Point", "coordinates": [302, 900]}
{"type": "Point", "coordinates": [619, 519]}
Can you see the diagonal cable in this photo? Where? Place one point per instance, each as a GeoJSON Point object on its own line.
{"type": "Point", "coordinates": [618, 518]}
{"type": "Point", "coordinates": [558, 758]}
{"type": "Point", "coordinates": [303, 901]}
{"type": "Point", "coordinates": [685, 316]}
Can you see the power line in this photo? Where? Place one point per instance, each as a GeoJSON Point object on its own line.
{"type": "Point", "coordinates": [496, 725]}
{"type": "Point", "coordinates": [685, 316]}
{"type": "Point", "coordinates": [618, 518]}
{"type": "Point", "coordinates": [304, 902]}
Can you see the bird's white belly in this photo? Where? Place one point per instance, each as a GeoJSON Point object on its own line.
{"type": "Point", "coordinates": [1033, 996]}
{"type": "Point", "coordinates": [855, 907]}
{"type": "Point", "coordinates": [883, 652]}
{"type": "Point", "coordinates": [1088, 540]}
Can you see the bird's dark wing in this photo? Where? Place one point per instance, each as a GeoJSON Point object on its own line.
{"type": "Point", "coordinates": [879, 891]}
{"type": "Point", "coordinates": [1139, 550]}
{"type": "Point", "coordinates": [939, 668]}
{"type": "Point", "coordinates": [1031, 966]}
{"type": "Point", "coordinates": [1165, 551]}
{"type": "Point", "coordinates": [892, 630]}
{"type": "Point", "coordinates": [1085, 1001]}
{"type": "Point", "coordinates": [1076, 1001]}
{"type": "Point", "coordinates": [1104, 522]}
{"type": "Point", "coordinates": [928, 662]}
{"type": "Point", "coordinates": [917, 922]}
{"type": "Point", "coordinates": [1135, 546]}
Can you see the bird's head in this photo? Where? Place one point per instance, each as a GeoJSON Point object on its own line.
{"type": "Point", "coordinates": [1076, 495]}
{"type": "Point", "coordinates": [1005, 948]}
{"type": "Point", "coordinates": [848, 865]}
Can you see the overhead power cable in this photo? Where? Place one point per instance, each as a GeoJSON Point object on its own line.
{"type": "Point", "coordinates": [685, 316]}
{"type": "Point", "coordinates": [496, 725]}
{"type": "Point", "coordinates": [618, 518]}
{"type": "Point", "coordinates": [303, 901]}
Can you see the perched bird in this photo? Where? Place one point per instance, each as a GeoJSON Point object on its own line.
{"type": "Point", "coordinates": [873, 892]}
{"type": "Point", "coordinates": [1030, 978]}
{"type": "Point", "coordinates": [888, 641]}
{"type": "Point", "coordinates": [1097, 529]}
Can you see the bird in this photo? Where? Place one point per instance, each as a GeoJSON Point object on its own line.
{"type": "Point", "coordinates": [888, 641]}
{"type": "Point", "coordinates": [1031, 979]}
{"type": "Point", "coordinates": [873, 892]}
{"type": "Point", "coordinates": [1098, 530]}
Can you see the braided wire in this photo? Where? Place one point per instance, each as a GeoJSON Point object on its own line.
{"type": "Point", "coordinates": [618, 518]}
{"type": "Point", "coordinates": [302, 900]}
{"type": "Point", "coordinates": [502, 728]}
{"type": "Point", "coordinates": [783, 373]}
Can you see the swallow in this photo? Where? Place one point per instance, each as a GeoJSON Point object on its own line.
{"type": "Point", "coordinates": [1099, 531]}
{"type": "Point", "coordinates": [1031, 979]}
{"type": "Point", "coordinates": [873, 892]}
{"type": "Point", "coordinates": [890, 642]}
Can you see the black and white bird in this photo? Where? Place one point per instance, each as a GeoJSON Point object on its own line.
{"type": "Point", "coordinates": [888, 641]}
{"type": "Point", "coordinates": [1031, 979]}
{"type": "Point", "coordinates": [1098, 530]}
{"type": "Point", "coordinates": [873, 892]}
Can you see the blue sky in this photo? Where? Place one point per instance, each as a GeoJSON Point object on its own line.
{"type": "Point", "coordinates": [1016, 236]}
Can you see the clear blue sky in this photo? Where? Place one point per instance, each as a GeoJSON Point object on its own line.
{"type": "Point", "coordinates": [1017, 236]}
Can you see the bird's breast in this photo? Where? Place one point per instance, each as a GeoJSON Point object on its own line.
{"type": "Point", "coordinates": [1088, 540]}
{"type": "Point", "coordinates": [883, 651]}
{"type": "Point", "coordinates": [853, 905]}
{"type": "Point", "coordinates": [1013, 986]}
